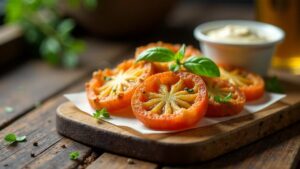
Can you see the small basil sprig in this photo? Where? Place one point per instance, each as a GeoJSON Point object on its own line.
{"type": "Point", "coordinates": [100, 114]}
{"type": "Point", "coordinates": [221, 99]}
{"type": "Point", "coordinates": [74, 155]}
{"type": "Point", "coordinates": [195, 64]}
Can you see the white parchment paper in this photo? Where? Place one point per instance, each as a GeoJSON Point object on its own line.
{"type": "Point", "coordinates": [81, 102]}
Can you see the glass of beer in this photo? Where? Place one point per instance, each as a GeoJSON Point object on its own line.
{"type": "Point", "coordinates": [286, 15]}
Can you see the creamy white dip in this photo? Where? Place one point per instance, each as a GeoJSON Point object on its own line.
{"type": "Point", "coordinates": [237, 34]}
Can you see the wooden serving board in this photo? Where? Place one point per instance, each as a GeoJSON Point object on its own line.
{"type": "Point", "coordinates": [183, 147]}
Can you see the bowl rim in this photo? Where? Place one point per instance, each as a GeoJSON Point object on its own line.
{"type": "Point", "coordinates": [202, 37]}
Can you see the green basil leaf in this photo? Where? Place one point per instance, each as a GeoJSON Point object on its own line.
{"type": "Point", "coordinates": [174, 67]}
{"type": "Point", "coordinates": [202, 66]}
{"type": "Point", "coordinates": [273, 85]}
{"type": "Point", "coordinates": [157, 54]}
{"type": "Point", "coordinates": [180, 54]}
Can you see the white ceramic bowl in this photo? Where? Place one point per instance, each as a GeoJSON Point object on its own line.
{"type": "Point", "coordinates": [253, 56]}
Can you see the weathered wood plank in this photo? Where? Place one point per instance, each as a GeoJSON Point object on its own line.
{"type": "Point", "coordinates": [39, 127]}
{"type": "Point", "coordinates": [113, 161]}
{"type": "Point", "coordinates": [35, 81]}
{"type": "Point", "coordinates": [57, 156]}
{"type": "Point", "coordinates": [206, 143]}
{"type": "Point", "coordinates": [277, 151]}
{"type": "Point", "coordinates": [30, 85]}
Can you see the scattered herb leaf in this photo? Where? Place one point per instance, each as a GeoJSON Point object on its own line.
{"type": "Point", "coordinates": [74, 155]}
{"type": "Point", "coordinates": [8, 109]}
{"type": "Point", "coordinates": [221, 99]}
{"type": "Point", "coordinates": [21, 138]}
{"type": "Point", "coordinates": [11, 138]}
{"type": "Point", "coordinates": [273, 85]}
{"type": "Point", "coordinates": [103, 113]}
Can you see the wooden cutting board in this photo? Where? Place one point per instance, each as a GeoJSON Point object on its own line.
{"type": "Point", "coordinates": [183, 147]}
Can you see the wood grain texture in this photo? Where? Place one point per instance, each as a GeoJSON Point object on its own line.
{"type": "Point", "coordinates": [206, 143]}
{"type": "Point", "coordinates": [113, 161]}
{"type": "Point", "coordinates": [57, 157]}
{"type": "Point", "coordinates": [34, 82]}
{"type": "Point", "coordinates": [39, 127]}
{"type": "Point", "coordinates": [29, 85]}
{"type": "Point", "coordinates": [277, 151]}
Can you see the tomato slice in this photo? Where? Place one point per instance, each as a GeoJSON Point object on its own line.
{"type": "Point", "coordinates": [162, 67]}
{"type": "Point", "coordinates": [251, 84]}
{"type": "Point", "coordinates": [170, 101]}
{"type": "Point", "coordinates": [225, 99]}
{"type": "Point", "coordinates": [113, 89]}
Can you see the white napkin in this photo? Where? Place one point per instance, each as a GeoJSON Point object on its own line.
{"type": "Point", "coordinates": [81, 102]}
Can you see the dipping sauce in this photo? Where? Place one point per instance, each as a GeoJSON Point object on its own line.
{"type": "Point", "coordinates": [236, 34]}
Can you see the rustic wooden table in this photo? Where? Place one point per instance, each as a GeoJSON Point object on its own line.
{"type": "Point", "coordinates": [34, 90]}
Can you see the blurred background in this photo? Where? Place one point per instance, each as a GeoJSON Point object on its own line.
{"type": "Point", "coordinates": [55, 30]}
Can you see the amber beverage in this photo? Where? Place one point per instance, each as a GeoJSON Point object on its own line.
{"type": "Point", "coordinates": [286, 15]}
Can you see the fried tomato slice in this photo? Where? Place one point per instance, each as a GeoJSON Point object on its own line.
{"type": "Point", "coordinates": [170, 101]}
{"type": "Point", "coordinates": [113, 89]}
{"type": "Point", "coordinates": [225, 99]}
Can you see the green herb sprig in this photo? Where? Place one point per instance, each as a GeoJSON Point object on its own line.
{"type": "Point", "coordinates": [221, 99]}
{"type": "Point", "coordinates": [46, 31]}
{"type": "Point", "coordinates": [12, 138]}
{"type": "Point", "coordinates": [195, 64]}
{"type": "Point", "coordinates": [74, 155]}
{"type": "Point", "coordinates": [103, 113]}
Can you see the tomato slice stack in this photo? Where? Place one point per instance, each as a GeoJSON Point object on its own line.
{"type": "Point", "coordinates": [251, 84]}
{"type": "Point", "coordinates": [113, 89]}
{"type": "Point", "coordinates": [225, 99]}
{"type": "Point", "coordinates": [164, 100]}
{"type": "Point", "coordinates": [170, 101]}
